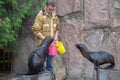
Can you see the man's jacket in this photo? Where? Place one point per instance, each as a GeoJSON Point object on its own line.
{"type": "Point", "coordinates": [42, 24]}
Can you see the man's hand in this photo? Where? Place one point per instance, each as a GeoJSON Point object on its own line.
{"type": "Point", "coordinates": [40, 35]}
{"type": "Point", "coordinates": [55, 41]}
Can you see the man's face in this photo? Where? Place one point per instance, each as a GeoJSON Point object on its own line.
{"type": "Point", "coordinates": [50, 9]}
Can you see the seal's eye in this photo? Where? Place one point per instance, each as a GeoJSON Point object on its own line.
{"type": "Point", "coordinates": [81, 45]}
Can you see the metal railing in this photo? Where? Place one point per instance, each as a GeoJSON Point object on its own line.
{"type": "Point", "coordinates": [5, 62]}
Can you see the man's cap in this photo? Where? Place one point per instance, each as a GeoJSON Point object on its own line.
{"type": "Point", "coordinates": [50, 2]}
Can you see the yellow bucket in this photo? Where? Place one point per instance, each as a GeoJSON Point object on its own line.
{"type": "Point", "coordinates": [60, 48]}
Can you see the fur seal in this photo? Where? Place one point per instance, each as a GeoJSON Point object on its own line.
{"type": "Point", "coordinates": [97, 58]}
{"type": "Point", "coordinates": [37, 57]}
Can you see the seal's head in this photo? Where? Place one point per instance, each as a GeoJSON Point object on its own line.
{"type": "Point", "coordinates": [80, 46]}
{"type": "Point", "coordinates": [83, 49]}
{"type": "Point", "coordinates": [47, 41]}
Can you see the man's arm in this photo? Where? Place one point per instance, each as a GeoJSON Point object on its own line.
{"type": "Point", "coordinates": [40, 35]}
{"type": "Point", "coordinates": [57, 31]}
{"type": "Point", "coordinates": [36, 28]}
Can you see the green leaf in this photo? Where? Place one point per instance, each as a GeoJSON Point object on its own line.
{"type": "Point", "coordinates": [12, 14]}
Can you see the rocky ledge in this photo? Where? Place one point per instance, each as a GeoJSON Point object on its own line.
{"type": "Point", "coordinates": [43, 76]}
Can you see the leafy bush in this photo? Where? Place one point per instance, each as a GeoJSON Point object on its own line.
{"type": "Point", "coordinates": [12, 13]}
{"type": "Point", "coordinates": [7, 35]}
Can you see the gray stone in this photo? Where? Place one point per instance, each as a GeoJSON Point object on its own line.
{"type": "Point", "coordinates": [44, 76]}
{"type": "Point", "coordinates": [98, 28]}
{"type": "Point", "coordinates": [97, 13]}
{"type": "Point", "coordinates": [65, 7]}
{"type": "Point", "coordinates": [115, 13]}
{"type": "Point", "coordinates": [109, 74]}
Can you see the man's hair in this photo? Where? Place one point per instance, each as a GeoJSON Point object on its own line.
{"type": "Point", "coordinates": [50, 2]}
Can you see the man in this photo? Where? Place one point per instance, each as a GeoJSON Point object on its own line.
{"type": "Point", "coordinates": [47, 24]}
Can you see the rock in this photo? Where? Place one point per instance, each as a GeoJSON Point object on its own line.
{"type": "Point", "coordinates": [99, 30]}
{"type": "Point", "coordinates": [59, 68]}
{"type": "Point", "coordinates": [65, 7]}
{"type": "Point", "coordinates": [96, 13]}
{"type": "Point", "coordinates": [72, 58]}
{"type": "Point", "coordinates": [44, 76]}
{"type": "Point", "coordinates": [109, 74]}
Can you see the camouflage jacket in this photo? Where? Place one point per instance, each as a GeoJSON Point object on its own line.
{"type": "Point", "coordinates": [42, 24]}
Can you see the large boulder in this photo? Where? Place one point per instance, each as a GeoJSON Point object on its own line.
{"type": "Point", "coordinates": [92, 22]}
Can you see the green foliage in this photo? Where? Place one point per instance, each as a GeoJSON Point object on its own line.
{"type": "Point", "coordinates": [7, 35]}
{"type": "Point", "coordinates": [12, 14]}
{"type": "Point", "coordinates": [35, 11]}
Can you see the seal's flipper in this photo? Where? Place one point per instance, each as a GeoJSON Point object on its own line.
{"type": "Point", "coordinates": [109, 67]}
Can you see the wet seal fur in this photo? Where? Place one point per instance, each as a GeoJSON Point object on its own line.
{"type": "Point", "coordinates": [97, 58]}
{"type": "Point", "coordinates": [37, 57]}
